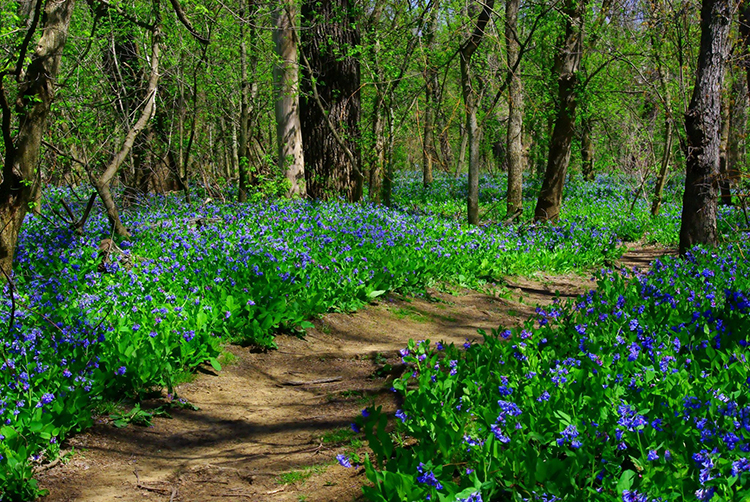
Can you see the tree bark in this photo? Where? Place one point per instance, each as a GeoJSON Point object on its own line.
{"type": "Point", "coordinates": [515, 112]}
{"type": "Point", "coordinates": [567, 62]}
{"type": "Point", "coordinates": [587, 150]}
{"type": "Point", "coordinates": [36, 91]}
{"type": "Point", "coordinates": [702, 124]}
{"type": "Point", "coordinates": [330, 107]}
{"type": "Point", "coordinates": [466, 51]}
{"type": "Point", "coordinates": [286, 84]}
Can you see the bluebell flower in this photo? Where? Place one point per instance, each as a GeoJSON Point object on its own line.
{"type": "Point", "coordinates": [344, 460]}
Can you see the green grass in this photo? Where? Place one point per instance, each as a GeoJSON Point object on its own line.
{"type": "Point", "coordinates": [407, 313]}
{"type": "Point", "coordinates": [300, 476]}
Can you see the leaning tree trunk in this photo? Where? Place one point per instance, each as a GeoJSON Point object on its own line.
{"type": "Point", "coordinates": [702, 125]}
{"type": "Point", "coordinates": [567, 61]}
{"type": "Point", "coordinates": [36, 91]}
{"type": "Point", "coordinates": [330, 107]}
{"type": "Point", "coordinates": [515, 112]}
{"type": "Point", "coordinates": [102, 182]}
{"type": "Point", "coordinates": [286, 84]}
{"type": "Point", "coordinates": [466, 51]}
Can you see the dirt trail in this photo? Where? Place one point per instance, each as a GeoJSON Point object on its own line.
{"type": "Point", "coordinates": [266, 426]}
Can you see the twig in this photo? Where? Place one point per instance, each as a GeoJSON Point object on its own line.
{"type": "Point", "coordinates": [312, 382]}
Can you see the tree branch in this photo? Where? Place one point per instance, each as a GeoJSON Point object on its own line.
{"type": "Point", "coordinates": [27, 40]}
{"type": "Point", "coordinates": [186, 22]}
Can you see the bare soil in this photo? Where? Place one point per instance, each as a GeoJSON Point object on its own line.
{"type": "Point", "coordinates": [267, 425]}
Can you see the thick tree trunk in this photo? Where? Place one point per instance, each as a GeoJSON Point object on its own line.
{"type": "Point", "coordinates": [515, 112]}
{"type": "Point", "coordinates": [286, 84]}
{"type": "Point", "coordinates": [36, 91]}
{"type": "Point", "coordinates": [466, 51]}
{"type": "Point", "coordinates": [567, 62]}
{"type": "Point", "coordinates": [702, 125]}
{"type": "Point", "coordinates": [330, 108]}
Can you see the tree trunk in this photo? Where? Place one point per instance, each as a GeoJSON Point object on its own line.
{"type": "Point", "coordinates": [515, 112]}
{"type": "Point", "coordinates": [330, 108]}
{"type": "Point", "coordinates": [375, 182]}
{"type": "Point", "coordinates": [724, 190]}
{"type": "Point", "coordinates": [242, 153]}
{"type": "Point", "coordinates": [286, 84]}
{"type": "Point", "coordinates": [466, 51]}
{"type": "Point", "coordinates": [702, 124]}
{"type": "Point", "coordinates": [668, 128]}
{"type": "Point", "coordinates": [567, 62]}
{"type": "Point", "coordinates": [102, 182]}
{"type": "Point", "coordinates": [737, 129]}
{"type": "Point", "coordinates": [662, 178]}
{"type": "Point", "coordinates": [388, 178]}
{"type": "Point", "coordinates": [36, 91]}
{"type": "Point", "coordinates": [587, 150]}
{"type": "Point", "coordinates": [464, 136]}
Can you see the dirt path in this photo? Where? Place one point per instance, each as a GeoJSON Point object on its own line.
{"type": "Point", "coordinates": [270, 425]}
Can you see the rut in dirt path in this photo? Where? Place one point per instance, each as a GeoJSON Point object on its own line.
{"type": "Point", "coordinates": [266, 424]}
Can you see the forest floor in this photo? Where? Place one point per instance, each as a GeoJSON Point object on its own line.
{"type": "Point", "coordinates": [270, 424]}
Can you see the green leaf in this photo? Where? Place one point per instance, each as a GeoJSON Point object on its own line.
{"type": "Point", "coordinates": [215, 364]}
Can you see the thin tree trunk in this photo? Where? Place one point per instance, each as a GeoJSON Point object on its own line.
{"type": "Point", "coordinates": [515, 112]}
{"type": "Point", "coordinates": [587, 150]}
{"type": "Point", "coordinates": [666, 155]}
{"type": "Point", "coordinates": [471, 101]}
{"type": "Point", "coordinates": [464, 135]}
{"type": "Point", "coordinates": [737, 129]}
{"type": "Point", "coordinates": [242, 153]}
{"type": "Point", "coordinates": [668, 129]}
{"type": "Point", "coordinates": [388, 177]}
{"type": "Point", "coordinates": [702, 124]}
{"type": "Point", "coordinates": [286, 84]}
{"type": "Point", "coordinates": [724, 190]}
{"type": "Point", "coordinates": [378, 131]}
{"type": "Point", "coordinates": [567, 62]}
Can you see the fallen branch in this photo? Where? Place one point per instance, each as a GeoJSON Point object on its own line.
{"type": "Point", "coordinates": [312, 382]}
